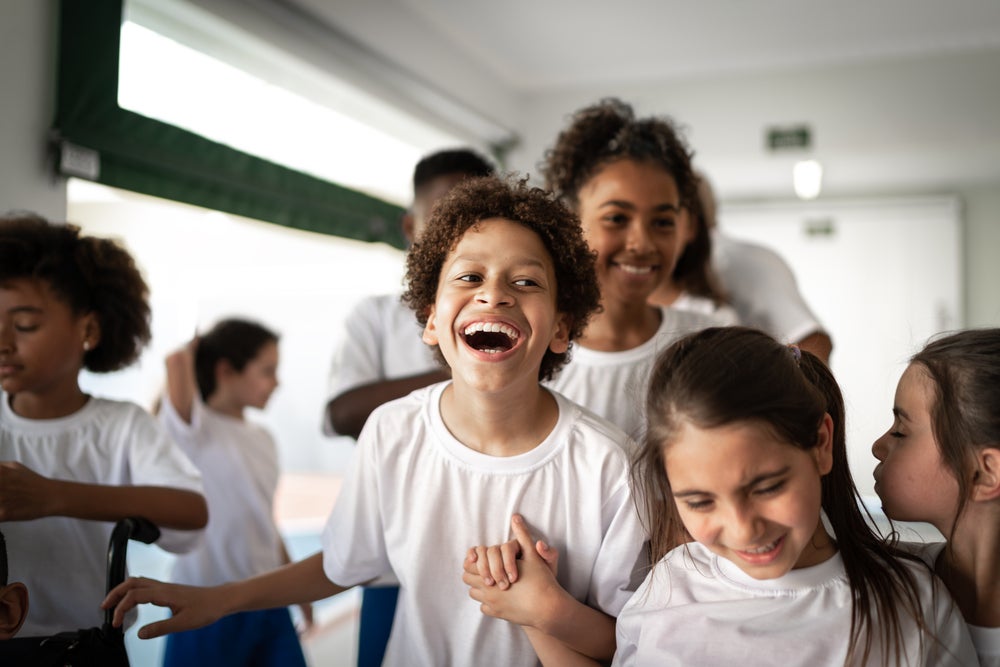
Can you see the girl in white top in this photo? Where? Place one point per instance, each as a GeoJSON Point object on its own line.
{"type": "Point", "coordinates": [940, 463]}
{"type": "Point", "coordinates": [631, 183]}
{"type": "Point", "coordinates": [745, 458]}
{"type": "Point", "coordinates": [210, 383]}
{"type": "Point", "coordinates": [72, 464]}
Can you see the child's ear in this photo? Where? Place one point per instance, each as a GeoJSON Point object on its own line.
{"type": "Point", "coordinates": [430, 329]}
{"type": "Point", "coordinates": [560, 339]}
{"type": "Point", "coordinates": [91, 330]}
{"type": "Point", "coordinates": [986, 479]}
{"type": "Point", "coordinates": [13, 608]}
{"type": "Point", "coordinates": [823, 451]}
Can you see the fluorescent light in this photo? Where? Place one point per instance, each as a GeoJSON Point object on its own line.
{"type": "Point", "coordinates": [807, 178]}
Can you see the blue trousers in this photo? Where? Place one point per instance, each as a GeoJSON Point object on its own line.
{"type": "Point", "coordinates": [378, 606]}
{"type": "Point", "coordinates": [265, 638]}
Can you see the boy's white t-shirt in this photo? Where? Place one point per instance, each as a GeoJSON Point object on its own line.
{"type": "Point", "coordinates": [63, 561]}
{"type": "Point", "coordinates": [239, 467]}
{"type": "Point", "coordinates": [696, 608]}
{"type": "Point", "coordinates": [613, 384]}
{"type": "Point", "coordinates": [416, 499]}
{"type": "Point", "coordinates": [987, 640]}
{"type": "Point", "coordinates": [382, 341]}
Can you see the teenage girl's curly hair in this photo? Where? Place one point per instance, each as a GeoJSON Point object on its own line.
{"type": "Point", "coordinates": [87, 273]}
{"type": "Point", "coordinates": [478, 199]}
{"type": "Point", "coordinates": [728, 375]}
{"type": "Point", "coordinates": [607, 132]}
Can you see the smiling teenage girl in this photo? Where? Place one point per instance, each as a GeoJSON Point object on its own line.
{"type": "Point", "coordinates": [631, 183]}
{"type": "Point", "coordinates": [745, 455]}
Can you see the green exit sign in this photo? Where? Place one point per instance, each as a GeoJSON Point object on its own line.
{"type": "Point", "coordinates": [781, 138]}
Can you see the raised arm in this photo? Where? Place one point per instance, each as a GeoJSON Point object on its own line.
{"type": "Point", "coordinates": [182, 385]}
{"type": "Point", "coordinates": [194, 607]}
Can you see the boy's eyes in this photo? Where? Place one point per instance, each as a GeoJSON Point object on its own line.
{"type": "Point", "coordinates": [470, 278]}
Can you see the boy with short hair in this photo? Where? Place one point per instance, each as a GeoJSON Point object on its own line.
{"type": "Point", "coordinates": [502, 280]}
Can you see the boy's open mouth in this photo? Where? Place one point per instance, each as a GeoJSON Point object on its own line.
{"type": "Point", "coordinates": [490, 337]}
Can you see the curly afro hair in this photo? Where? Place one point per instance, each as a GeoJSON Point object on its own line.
{"type": "Point", "coordinates": [478, 199]}
{"type": "Point", "coordinates": [87, 273]}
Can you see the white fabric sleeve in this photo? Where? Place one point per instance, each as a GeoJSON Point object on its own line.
{"type": "Point", "coordinates": [620, 554]}
{"type": "Point", "coordinates": [357, 360]}
{"type": "Point", "coordinates": [154, 459]}
{"type": "Point", "coordinates": [354, 550]}
{"type": "Point", "coordinates": [790, 318]}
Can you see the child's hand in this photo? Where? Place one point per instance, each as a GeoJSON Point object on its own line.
{"type": "Point", "coordinates": [24, 494]}
{"type": "Point", "coordinates": [498, 564]}
{"type": "Point", "coordinates": [190, 606]}
{"type": "Point", "coordinates": [528, 602]}
{"type": "Point", "coordinates": [306, 624]}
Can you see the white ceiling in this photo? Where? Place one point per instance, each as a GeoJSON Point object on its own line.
{"type": "Point", "coordinates": [535, 44]}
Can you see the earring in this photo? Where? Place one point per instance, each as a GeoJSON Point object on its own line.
{"type": "Point", "coordinates": [86, 346]}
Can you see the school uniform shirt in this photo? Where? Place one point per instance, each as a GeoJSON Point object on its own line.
{"type": "Point", "coordinates": [762, 289]}
{"type": "Point", "coordinates": [382, 341]}
{"type": "Point", "coordinates": [724, 315]}
{"type": "Point", "coordinates": [986, 640]}
{"type": "Point", "coordinates": [613, 384]}
{"type": "Point", "coordinates": [416, 499]}
{"type": "Point", "coordinates": [696, 608]}
{"type": "Point", "coordinates": [238, 461]}
{"type": "Point", "coordinates": [63, 561]}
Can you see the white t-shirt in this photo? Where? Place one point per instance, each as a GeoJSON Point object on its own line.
{"type": "Point", "coordinates": [239, 467]}
{"type": "Point", "coordinates": [696, 608]}
{"type": "Point", "coordinates": [724, 315]}
{"type": "Point", "coordinates": [987, 640]}
{"type": "Point", "coordinates": [382, 341]}
{"type": "Point", "coordinates": [416, 499]}
{"type": "Point", "coordinates": [613, 384]}
{"type": "Point", "coordinates": [63, 561]}
{"type": "Point", "coordinates": [762, 289]}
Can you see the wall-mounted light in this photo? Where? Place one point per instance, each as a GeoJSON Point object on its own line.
{"type": "Point", "coordinates": [807, 179]}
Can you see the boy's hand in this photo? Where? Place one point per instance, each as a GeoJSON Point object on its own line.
{"type": "Point", "coordinates": [537, 591]}
{"type": "Point", "coordinates": [24, 494]}
{"type": "Point", "coordinates": [191, 606]}
{"type": "Point", "coordinates": [498, 564]}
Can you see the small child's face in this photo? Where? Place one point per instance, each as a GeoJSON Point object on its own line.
{"type": "Point", "coordinates": [632, 217]}
{"type": "Point", "coordinates": [751, 498]}
{"type": "Point", "coordinates": [254, 385]}
{"type": "Point", "coordinates": [41, 340]}
{"type": "Point", "coordinates": [494, 315]}
{"type": "Point", "coordinates": [911, 479]}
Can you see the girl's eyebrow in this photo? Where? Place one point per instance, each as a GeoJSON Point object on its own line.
{"type": "Point", "coordinates": [900, 413]}
{"type": "Point", "coordinates": [618, 203]}
{"type": "Point", "coordinates": [24, 309]}
{"type": "Point", "coordinates": [763, 477]}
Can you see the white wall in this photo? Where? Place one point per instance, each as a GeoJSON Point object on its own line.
{"type": "Point", "coordinates": [27, 79]}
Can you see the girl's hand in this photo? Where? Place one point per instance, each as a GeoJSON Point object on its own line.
{"type": "Point", "coordinates": [529, 603]}
{"type": "Point", "coordinates": [497, 565]}
{"type": "Point", "coordinates": [24, 494]}
{"type": "Point", "coordinates": [306, 624]}
{"type": "Point", "coordinates": [190, 606]}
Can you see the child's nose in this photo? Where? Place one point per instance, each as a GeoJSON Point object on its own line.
{"type": "Point", "coordinates": [745, 526]}
{"type": "Point", "coordinates": [494, 293]}
{"type": "Point", "coordinates": [638, 239]}
{"type": "Point", "coordinates": [879, 448]}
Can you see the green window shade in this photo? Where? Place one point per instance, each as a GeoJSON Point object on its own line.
{"type": "Point", "coordinates": [103, 142]}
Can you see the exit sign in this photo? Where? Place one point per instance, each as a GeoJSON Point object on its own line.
{"type": "Point", "coordinates": [781, 138]}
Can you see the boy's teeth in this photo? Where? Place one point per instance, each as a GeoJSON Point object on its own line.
{"type": "Point", "coordinates": [491, 327]}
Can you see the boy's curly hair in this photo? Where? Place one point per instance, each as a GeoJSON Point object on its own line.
{"type": "Point", "coordinates": [478, 199]}
{"type": "Point", "coordinates": [88, 274]}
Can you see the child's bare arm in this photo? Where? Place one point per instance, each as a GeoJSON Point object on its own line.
{"type": "Point", "coordinates": [534, 598]}
{"type": "Point", "coordinates": [349, 411]}
{"type": "Point", "coordinates": [551, 651]}
{"type": "Point", "coordinates": [25, 495]}
{"type": "Point", "coordinates": [182, 386]}
{"type": "Point", "coordinates": [194, 607]}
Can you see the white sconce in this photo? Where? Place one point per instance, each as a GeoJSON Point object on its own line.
{"type": "Point", "coordinates": [807, 179]}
